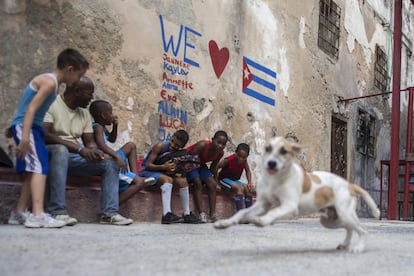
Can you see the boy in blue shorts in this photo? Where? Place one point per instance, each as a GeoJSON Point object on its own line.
{"type": "Point", "coordinates": [208, 151]}
{"type": "Point", "coordinates": [230, 171]}
{"type": "Point", "coordinates": [166, 177]}
{"type": "Point", "coordinates": [28, 134]}
{"type": "Point", "coordinates": [129, 182]}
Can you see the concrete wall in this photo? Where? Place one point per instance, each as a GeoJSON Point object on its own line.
{"type": "Point", "coordinates": [139, 48]}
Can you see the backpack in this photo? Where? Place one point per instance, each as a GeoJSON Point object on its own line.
{"type": "Point", "coordinates": [185, 161]}
{"type": "Point", "coordinates": [5, 160]}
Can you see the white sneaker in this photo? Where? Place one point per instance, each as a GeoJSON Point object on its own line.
{"type": "Point", "coordinates": [116, 220]}
{"type": "Point", "coordinates": [149, 181]}
{"type": "Point", "coordinates": [18, 218]}
{"type": "Point", "coordinates": [127, 177]}
{"type": "Point", "coordinates": [203, 217]}
{"type": "Point", "coordinates": [43, 220]}
{"type": "Point", "coordinates": [68, 220]}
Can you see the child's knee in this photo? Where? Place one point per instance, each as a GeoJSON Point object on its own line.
{"type": "Point", "coordinates": [238, 189]}
{"type": "Point", "coordinates": [132, 145]}
{"type": "Point", "coordinates": [129, 147]}
{"type": "Point", "coordinates": [181, 183]}
{"type": "Point", "coordinates": [197, 186]}
{"type": "Point", "coordinates": [245, 190]}
{"type": "Point", "coordinates": [211, 185]}
{"type": "Point", "coordinates": [196, 182]}
{"type": "Point", "coordinates": [165, 179]}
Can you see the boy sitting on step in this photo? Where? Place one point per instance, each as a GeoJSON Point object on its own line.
{"type": "Point", "coordinates": [165, 176]}
{"type": "Point", "coordinates": [230, 171]}
{"type": "Point", "coordinates": [129, 182]}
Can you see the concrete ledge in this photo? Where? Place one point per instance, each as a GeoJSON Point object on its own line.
{"type": "Point", "coordinates": [83, 197]}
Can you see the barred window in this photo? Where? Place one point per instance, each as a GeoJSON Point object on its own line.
{"type": "Point", "coordinates": [381, 73]}
{"type": "Point", "coordinates": [329, 23]}
{"type": "Point", "coordinates": [366, 134]}
{"type": "Point", "coordinates": [371, 137]}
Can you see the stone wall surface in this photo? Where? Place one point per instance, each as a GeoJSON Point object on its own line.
{"type": "Point", "coordinates": [166, 65]}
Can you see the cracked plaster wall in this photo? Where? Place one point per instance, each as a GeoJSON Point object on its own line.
{"type": "Point", "coordinates": [124, 42]}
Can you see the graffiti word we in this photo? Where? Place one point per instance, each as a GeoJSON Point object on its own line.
{"type": "Point", "coordinates": [188, 35]}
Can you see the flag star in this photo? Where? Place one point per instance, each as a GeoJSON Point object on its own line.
{"type": "Point", "coordinates": [246, 73]}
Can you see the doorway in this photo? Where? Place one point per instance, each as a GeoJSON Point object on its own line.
{"type": "Point", "coordinates": [338, 146]}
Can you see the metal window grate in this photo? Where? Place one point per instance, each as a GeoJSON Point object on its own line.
{"type": "Point", "coordinates": [366, 130]}
{"type": "Point", "coordinates": [361, 132]}
{"type": "Point", "coordinates": [371, 136]}
{"type": "Point", "coordinates": [329, 23]}
{"type": "Point", "coordinates": [339, 146]}
{"type": "Point", "coordinates": [381, 73]}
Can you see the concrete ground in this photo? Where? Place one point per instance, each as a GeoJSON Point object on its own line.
{"type": "Point", "coordinates": [296, 247]}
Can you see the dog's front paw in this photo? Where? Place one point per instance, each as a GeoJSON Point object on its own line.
{"type": "Point", "coordinates": [222, 224]}
{"type": "Point", "coordinates": [358, 248]}
{"type": "Point", "coordinates": [341, 247]}
{"type": "Point", "coordinates": [244, 221]}
{"type": "Point", "coordinates": [258, 221]}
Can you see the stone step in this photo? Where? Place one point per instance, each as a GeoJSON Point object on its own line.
{"type": "Point", "coordinates": [83, 197]}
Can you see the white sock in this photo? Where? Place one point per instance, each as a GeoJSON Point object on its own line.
{"type": "Point", "coordinates": [166, 191]}
{"type": "Point", "coordinates": [185, 200]}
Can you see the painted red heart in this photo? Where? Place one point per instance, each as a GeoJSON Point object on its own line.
{"type": "Point", "coordinates": [219, 57]}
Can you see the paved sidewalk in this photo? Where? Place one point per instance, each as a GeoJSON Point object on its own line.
{"type": "Point", "coordinates": [297, 247]}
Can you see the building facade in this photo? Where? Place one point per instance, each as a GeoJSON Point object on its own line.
{"type": "Point", "coordinates": [253, 68]}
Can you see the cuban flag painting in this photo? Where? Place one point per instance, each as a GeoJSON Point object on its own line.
{"type": "Point", "coordinates": [259, 81]}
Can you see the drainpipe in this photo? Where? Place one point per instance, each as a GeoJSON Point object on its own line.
{"type": "Point", "coordinates": [407, 168]}
{"type": "Point", "coordinates": [395, 120]}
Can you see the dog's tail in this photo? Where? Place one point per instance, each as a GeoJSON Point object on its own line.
{"type": "Point", "coordinates": [368, 199]}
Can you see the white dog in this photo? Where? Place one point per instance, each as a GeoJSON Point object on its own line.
{"type": "Point", "coordinates": [299, 193]}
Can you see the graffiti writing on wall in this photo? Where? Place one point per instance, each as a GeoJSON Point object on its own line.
{"type": "Point", "coordinates": [175, 84]}
{"type": "Point", "coordinates": [178, 45]}
{"type": "Point", "coordinates": [188, 34]}
{"type": "Point", "coordinates": [169, 113]}
{"type": "Point", "coordinates": [175, 78]}
{"type": "Point", "coordinates": [175, 66]}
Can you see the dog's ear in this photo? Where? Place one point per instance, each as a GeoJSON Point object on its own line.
{"type": "Point", "coordinates": [292, 146]}
{"type": "Point", "coordinates": [296, 147]}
